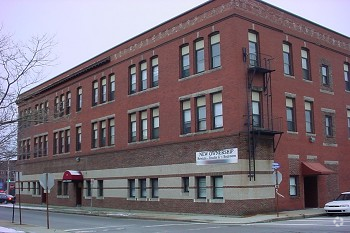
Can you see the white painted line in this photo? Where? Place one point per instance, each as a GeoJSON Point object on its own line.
{"type": "Point", "coordinates": [91, 229]}
{"type": "Point", "coordinates": [174, 224]}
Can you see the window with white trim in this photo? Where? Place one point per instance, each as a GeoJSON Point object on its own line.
{"type": "Point", "coordinates": [199, 56]}
{"type": "Point", "coordinates": [215, 51]}
{"type": "Point", "coordinates": [185, 61]}
{"type": "Point", "coordinates": [155, 72]}
{"type": "Point", "coordinates": [218, 120]}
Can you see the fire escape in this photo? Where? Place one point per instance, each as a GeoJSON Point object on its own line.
{"type": "Point", "coordinates": [260, 121]}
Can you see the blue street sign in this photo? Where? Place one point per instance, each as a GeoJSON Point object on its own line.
{"type": "Point", "coordinates": [275, 165]}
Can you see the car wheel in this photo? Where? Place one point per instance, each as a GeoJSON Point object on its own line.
{"type": "Point", "coordinates": [5, 202]}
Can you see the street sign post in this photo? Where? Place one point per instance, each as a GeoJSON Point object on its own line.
{"type": "Point", "coordinates": [277, 179]}
{"type": "Point", "coordinates": [47, 182]}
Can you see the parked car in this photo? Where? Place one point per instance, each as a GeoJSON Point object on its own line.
{"type": "Point", "coordinates": [341, 205]}
{"type": "Point", "coordinates": [6, 198]}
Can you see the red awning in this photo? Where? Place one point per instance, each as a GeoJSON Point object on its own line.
{"type": "Point", "coordinates": [309, 168]}
{"type": "Point", "coordinates": [71, 175]}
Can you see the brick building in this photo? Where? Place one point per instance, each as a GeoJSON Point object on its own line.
{"type": "Point", "coordinates": [190, 115]}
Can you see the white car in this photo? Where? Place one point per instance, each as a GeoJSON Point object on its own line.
{"type": "Point", "coordinates": [341, 205]}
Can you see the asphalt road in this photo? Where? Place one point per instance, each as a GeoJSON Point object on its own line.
{"type": "Point", "coordinates": [73, 223]}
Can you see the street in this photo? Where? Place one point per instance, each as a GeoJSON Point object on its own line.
{"type": "Point", "coordinates": [75, 223]}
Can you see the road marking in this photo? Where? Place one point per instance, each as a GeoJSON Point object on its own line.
{"type": "Point", "coordinates": [200, 229]}
{"type": "Point", "coordinates": [174, 224]}
{"type": "Point", "coordinates": [91, 229]}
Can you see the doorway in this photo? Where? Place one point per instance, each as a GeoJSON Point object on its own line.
{"type": "Point", "coordinates": [78, 193]}
{"type": "Point", "coordinates": [310, 192]}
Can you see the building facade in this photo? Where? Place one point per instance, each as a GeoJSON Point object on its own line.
{"type": "Point", "coordinates": [190, 115]}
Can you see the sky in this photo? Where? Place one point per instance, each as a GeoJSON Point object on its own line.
{"type": "Point", "coordinates": [83, 29]}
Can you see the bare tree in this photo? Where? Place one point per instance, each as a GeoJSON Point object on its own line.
{"type": "Point", "coordinates": [21, 66]}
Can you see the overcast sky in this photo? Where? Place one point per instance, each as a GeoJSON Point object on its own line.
{"type": "Point", "coordinates": [86, 28]}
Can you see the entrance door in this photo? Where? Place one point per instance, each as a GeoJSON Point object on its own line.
{"type": "Point", "coordinates": [310, 192]}
{"type": "Point", "coordinates": [78, 193]}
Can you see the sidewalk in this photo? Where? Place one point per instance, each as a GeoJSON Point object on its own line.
{"type": "Point", "coordinates": [216, 219]}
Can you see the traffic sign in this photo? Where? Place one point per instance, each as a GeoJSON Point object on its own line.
{"type": "Point", "coordinates": [275, 166]}
{"type": "Point", "coordinates": [46, 181]}
{"type": "Point", "coordinates": [276, 178]}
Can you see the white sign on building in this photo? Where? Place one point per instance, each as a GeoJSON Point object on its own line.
{"type": "Point", "coordinates": [217, 156]}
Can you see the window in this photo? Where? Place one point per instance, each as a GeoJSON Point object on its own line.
{"type": "Point", "coordinates": [218, 121]}
{"type": "Point", "coordinates": [67, 141]}
{"type": "Point", "coordinates": [144, 130]}
{"type": "Point", "coordinates": [329, 125]}
{"type": "Point", "coordinates": [103, 96]}
{"type": "Point", "coordinates": [186, 117]}
{"type": "Point", "coordinates": [62, 105]}
{"type": "Point", "coordinates": [133, 127]}
{"type": "Point", "coordinates": [155, 72]}
{"type": "Point", "coordinates": [68, 102]}
{"type": "Point", "coordinates": [155, 123]}
{"type": "Point", "coordinates": [293, 188]}
{"type": "Point", "coordinates": [185, 61]}
{"type": "Point", "coordinates": [88, 188]}
{"type": "Point", "coordinates": [132, 88]}
{"type": "Point", "coordinates": [347, 77]}
{"type": "Point", "coordinates": [201, 187]}
{"type": "Point", "coordinates": [78, 138]}
{"type": "Point", "coordinates": [154, 188]}
{"type": "Point", "coordinates": [218, 187]}
{"type": "Point", "coordinates": [34, 188]}
{"type": "Point", "coordinates": [215, 51]}
{"type": "Point", "coordinates": [103, 133]}
{"type": "Point", "coordinates": [65, 188]}
{"type": "Point", "coordinates": [41, 144]}
{"type": "Point", "coordinates": [94, 135]}
{"type": "Point", "coordinates": [305, 64]}
{"type": "Point", "coordinates": [94, 93]}
{"type": "Point", "coordinates": [36, 147]}
{"type": "Point", "coordinates": [287, 59]}
{"type": "Point", "coordinates": [100, 188]}
{"type": "Point", "coordinates": [111, 132]}
{"type": "Point", "coordinates": [199, 55]}
{"type": "Point", "coordinates": [309, 117]}
{"type": "Point", "coordinates": [291, 126]}
{"type": "Point", "coordinates": [143, 188]}
{"type": "Point", "coordinates": [59, 188]}
{"type": "Point", "coordinates": [132, 188]}
{"type": "Point", "coordinates": [55, 143]}
{"type": "Point", "coordinates": [79, 98]}
{"type": "Point", "coordinates": [36, 114]}
{"type": "Point", "coordinates": [111, 95]}
{"type": "Point", "coordinates": [46, 145]}
{"type": "Point", "coordinates": [256, 109]}
{"type": "Point", "coordinates": [253, 49]}
{"type": "Point", "coordinates": [143, 75]}
{"type": "Point", "coordinates": [185, 184]}
{"type": "Point", "coordinates": [46, 111]}
{"type": "Point", "coordinates": [325, 75]}
{"type": "Point", "coordinates": [62, 141]}
{"type": "Point", "coordinates": [201, 114]}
